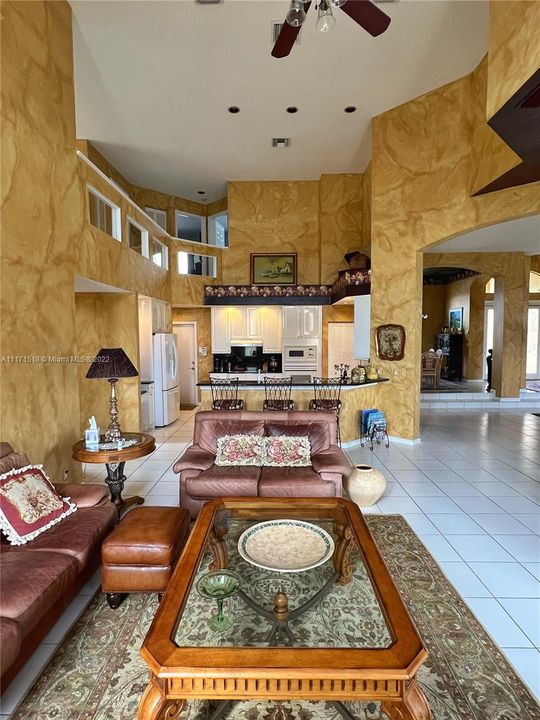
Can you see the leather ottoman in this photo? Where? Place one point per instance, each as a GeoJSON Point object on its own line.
{"type": "Point", "coordinates": [141, 553]}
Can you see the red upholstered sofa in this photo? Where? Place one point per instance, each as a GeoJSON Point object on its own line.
{"type": "Point", "coordinates": [202, 480]}
{"type": "Point", "coordinates": [38, 580]}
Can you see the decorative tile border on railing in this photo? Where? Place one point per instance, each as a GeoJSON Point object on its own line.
{"type": "Point", "coordinates": [349, 283]}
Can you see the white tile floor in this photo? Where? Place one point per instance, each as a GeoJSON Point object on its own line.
{"type": "Point", "coordinates": [471, 491]}
{"type": "Point", "coordinates": [479, 516]}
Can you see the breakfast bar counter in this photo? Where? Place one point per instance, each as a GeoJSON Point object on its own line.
{"type": "Point", "coordinates": [353, 399]}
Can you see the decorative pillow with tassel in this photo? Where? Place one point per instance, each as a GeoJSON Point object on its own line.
{"type": "Point", "coordinates": [29, 504]}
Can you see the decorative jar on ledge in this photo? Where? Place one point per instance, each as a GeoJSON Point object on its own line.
{"type": "Point", "coordinates": [365, 485]}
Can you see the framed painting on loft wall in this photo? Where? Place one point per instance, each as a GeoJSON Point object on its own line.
{"type": "Point", "coordinates": [273, 269]}
{"type": "Point", "coordinates": [455, 320]}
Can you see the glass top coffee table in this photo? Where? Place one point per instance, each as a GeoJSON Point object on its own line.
{"type": "Point", "coordinates": [306, 610]}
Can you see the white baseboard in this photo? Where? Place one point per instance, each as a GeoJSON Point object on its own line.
{"type": "Point", "coordinates": [392, 438]}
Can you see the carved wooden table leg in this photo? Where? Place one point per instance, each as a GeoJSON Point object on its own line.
{"type": "Point", "coordinates": [413, 707]}
{"type": "Point", "coordinates": [155, 706]}
{"type": "Point", "coordinates": [341, 558]}
{"type": "Point", "coordinates": [218, 547]}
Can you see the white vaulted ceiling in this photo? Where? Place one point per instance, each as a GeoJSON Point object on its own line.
{"type": "Point", "coordinates": [154, 80]}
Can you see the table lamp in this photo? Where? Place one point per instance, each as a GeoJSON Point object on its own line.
{"type": "Point", "coordinates": [112, 363]}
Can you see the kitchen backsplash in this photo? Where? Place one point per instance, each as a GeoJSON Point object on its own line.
{"type": "Point", "coordinates": [248, 358]}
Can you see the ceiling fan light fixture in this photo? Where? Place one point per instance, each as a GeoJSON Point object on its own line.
{"type": "Point", "coordinates": [296, 15]}
{"type": "Point", "coordinates": [326, 20]}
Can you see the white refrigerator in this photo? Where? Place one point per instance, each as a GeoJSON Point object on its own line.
{"type": "Point", "coordinates": [166, 388]}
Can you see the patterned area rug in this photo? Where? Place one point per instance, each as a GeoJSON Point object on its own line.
{"type": "Point", "coordinates": [97, 673]}
{"type": "Point", "coordinates": [533, 385]}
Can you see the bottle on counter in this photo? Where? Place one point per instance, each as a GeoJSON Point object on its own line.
{"type": "Point", "coordinates": [259, 376]}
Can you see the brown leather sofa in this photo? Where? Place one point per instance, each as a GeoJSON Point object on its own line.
{"type": "Point", "coordinates": [202, 480]}
{"type": "Point", "coordinates": [38, 580]}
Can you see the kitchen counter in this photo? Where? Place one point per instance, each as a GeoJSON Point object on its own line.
{"type": "Point", "coordinates": [254, 385]}
{"type": "Point", "coordinates": [371, 394]}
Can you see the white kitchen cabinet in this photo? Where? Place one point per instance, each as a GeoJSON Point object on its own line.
{"type": "Point", "coordinates": [301, 322]}
{"type": "Point", "coordinates": [245, 325]}
{"type": "Point", "coordinates": [271, 322]}
{"type": "Point", "coordinates": [254, 323]}
{"type": "Point", "coordinates": [310, 322]}
{"type": "Point", "coordinates": [160, 317]}
{"type": "Point", "coordinates": [221, 342]}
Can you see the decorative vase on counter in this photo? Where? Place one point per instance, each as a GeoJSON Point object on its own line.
{"type": "Point", "coordinates": [365, 485]}
{"type": "Point", "coordinates": [358, 375]}
{"type": "Point", "coordinates": [371, 373]}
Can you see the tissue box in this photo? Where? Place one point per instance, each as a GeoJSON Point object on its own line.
{"type": "Point", "coordinates": [91, 439]}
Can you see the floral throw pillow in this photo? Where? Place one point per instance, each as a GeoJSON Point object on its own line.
{"type": "Point", "coordinates": [285, 450]}
{"type": "Point", "coordinates": [239, 450]}
{"type": "Point", "coordinates": [29, 504]}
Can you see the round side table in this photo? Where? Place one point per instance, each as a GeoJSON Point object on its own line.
{"type": "Point", "coordinates": [114, 461]}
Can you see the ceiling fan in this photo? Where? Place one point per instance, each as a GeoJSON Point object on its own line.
{"type": "Point", "coordinates": [363, 12]}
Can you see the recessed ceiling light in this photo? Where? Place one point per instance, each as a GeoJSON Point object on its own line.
{"type": "Point", "coordinates": [234, 109]}
{"type": "Point", "coordinates": [292, 109]}
{"type": "Point", "coordinates": [350, 109]}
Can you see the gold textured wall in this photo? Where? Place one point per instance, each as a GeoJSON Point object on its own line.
{"type": "Point", "coordinates": [419, 199]}
{"type": "Point", "coordinates": [42, 223]}
{"type": "Point", "coordinates": [273, 217]}
{"type": "Point", "coordinates": [47, 240]}
{"type": "Point", "coordinates": [511, 302]}
{"type": "Point", "coordinates": [433, 305]}
{"type": "Point", "coordinates": [107, 320]}
{"type": "Point", "coordinates": [514, 48]}
{"type": "Point", "coordinates": [340, 220]}
{"type": "Point", "coordinates": [475, 356]}
{"type": "Point", "coordinates": [202, 317]}
{"type": "Point", "coordinates": [438, 300]}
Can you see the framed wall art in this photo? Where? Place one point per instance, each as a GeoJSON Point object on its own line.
{"type": "Point", "coordinates": [455, 320]}
{"type": "Point", "coordinates": [273, 268]}
{"type": "Point", "coordinates": [390, 342]}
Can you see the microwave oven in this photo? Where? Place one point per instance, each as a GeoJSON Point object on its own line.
{"type": "Point", "coordinates": [298, 357]}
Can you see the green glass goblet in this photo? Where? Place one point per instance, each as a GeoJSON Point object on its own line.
{"type": "Point", "coordinates": [217, 586]}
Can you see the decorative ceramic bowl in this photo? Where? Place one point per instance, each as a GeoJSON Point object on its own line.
{"type": "Point", "coordinates": [365, 485]}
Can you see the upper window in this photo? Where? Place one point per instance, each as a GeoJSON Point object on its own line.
{"type": "Point", "coordinates": [190, 227]}
{"type": "Point", "coordinates": [218, 230]}
{"type": "Point", "coordinates": [104, 214]}
{"type": "Point", "coordinates": [193, 264]}
{"type": "Point", "coordinates": [534, 282]}
{"type": "Point", "coordinates": [490, 286]}
{"type": "Point", "coordinates": [159, 253]}
{"type": "Point", "coordinates": [158, 216]}
{"type": "Point", "coordinates": [137, 237]}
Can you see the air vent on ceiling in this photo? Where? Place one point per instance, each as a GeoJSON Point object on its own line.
{"type": "Point", "coordinates": [208, 2]}
{"type": "Point", "coordinates": [281, 142]}
{"type": "Point", "coordinates": [276, 29]}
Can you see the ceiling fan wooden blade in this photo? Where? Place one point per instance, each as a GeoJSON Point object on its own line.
{"type": "Point", "coordinates": [286, 38]}
{"type": "Point", "coordinates": [368, 15]}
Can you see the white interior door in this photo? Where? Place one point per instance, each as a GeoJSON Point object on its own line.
{"type": "Point", "coordinates": [187, 355]}
{"type": "Point", "coordinates": [340, 346]}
